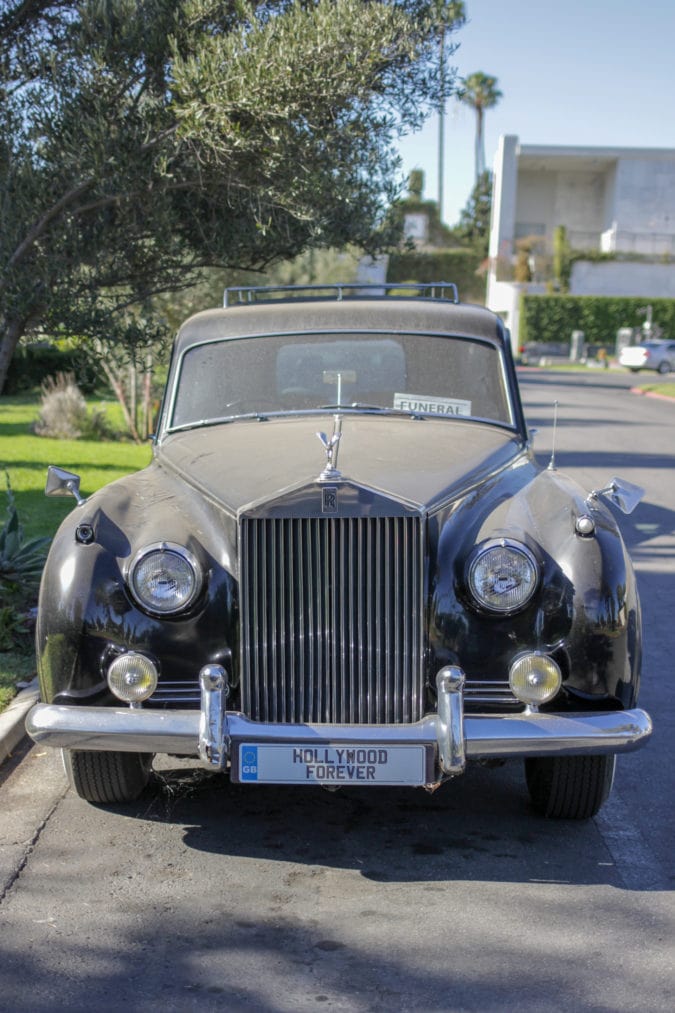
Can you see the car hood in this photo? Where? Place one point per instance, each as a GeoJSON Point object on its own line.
{"type": "Point", "coordinates": [420, 462]}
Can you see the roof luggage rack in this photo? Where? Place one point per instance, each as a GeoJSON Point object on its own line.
{"type": "Point", "coordinates": [242, 295]}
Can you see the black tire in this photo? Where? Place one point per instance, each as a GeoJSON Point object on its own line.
{"type": "Point", "coordinates": [107, 777]}
{"type": "Point", "coordinates": [663, 367]}
{"type": "Point", "coordinates": [569, 787]}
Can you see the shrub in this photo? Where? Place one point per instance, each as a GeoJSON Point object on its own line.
{"type": "Point", "coordinates": [15, 629]}
{"type": "Point", "coordinates": [21, 559]}
{"type": "Point", "coordinates": [21, 563]}
{"type": "Point", "coordinates": [64, 414]}
{"type": "Point", "coordinates": [32, 363]}
{"type": "Point", "coordinates": [459, 266]}
{"type": "Point", "coordinates": [552, 318]}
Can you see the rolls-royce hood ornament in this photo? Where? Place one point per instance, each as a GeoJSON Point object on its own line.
{"type": "Point", "coordinates": [331, 445]}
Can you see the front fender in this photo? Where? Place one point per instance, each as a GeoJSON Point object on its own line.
{"type": "Point", "coordinates": [87, 615]}
{"type": "Point", "coordinates": [585, 611]}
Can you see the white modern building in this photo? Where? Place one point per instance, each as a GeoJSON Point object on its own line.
{"type": "Point", "coordinates": [613, 200]}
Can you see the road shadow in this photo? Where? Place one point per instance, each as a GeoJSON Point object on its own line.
{"type": "Point", "coordinates": [542, 422]}
{"type": "Point", "coordinates": [580, 381]}
{"type": "Point", "coordinates": [480, 826]}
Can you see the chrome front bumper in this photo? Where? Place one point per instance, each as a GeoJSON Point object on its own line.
{"type": "Point", "coordinates": [214, 733]}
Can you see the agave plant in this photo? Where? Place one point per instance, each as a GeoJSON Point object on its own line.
{"type": "Point", "coordinates": [21, 558]}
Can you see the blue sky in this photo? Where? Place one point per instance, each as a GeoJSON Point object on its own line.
{"type": "Point", "coordinates": [578, 72]}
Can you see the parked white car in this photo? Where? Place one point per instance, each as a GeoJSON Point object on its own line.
{"type": "Point", "coordinates": [658, 355]}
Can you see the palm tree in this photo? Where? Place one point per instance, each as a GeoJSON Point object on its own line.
{"type": "Point", "coordinates": [479, 91]}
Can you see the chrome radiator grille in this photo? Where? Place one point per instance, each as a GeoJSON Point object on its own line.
{"type": "Point", "coordinates": [332, 619]}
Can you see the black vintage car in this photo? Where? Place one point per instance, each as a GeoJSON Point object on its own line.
{"type": "Point", "coordinates": [343, 566]}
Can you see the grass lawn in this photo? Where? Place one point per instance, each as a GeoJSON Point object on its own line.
{"type": "Point", "coordinates": [665, 389]}
{"type": "Point", "coordinates": [25, 458]}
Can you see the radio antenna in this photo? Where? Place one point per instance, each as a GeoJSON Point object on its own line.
{"type": "Point", "coordinates": [551, 463]}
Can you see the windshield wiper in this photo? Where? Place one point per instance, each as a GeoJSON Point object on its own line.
{"type": "Point", "coordinates": [221, 420]}
{"type": "Point", "coordinates": [264, 416]}
{"type": "Point", "coordinates": [362, 406]}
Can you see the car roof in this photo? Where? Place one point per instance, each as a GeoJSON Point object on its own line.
{"type": "Point", "coordinates": [355, 313]}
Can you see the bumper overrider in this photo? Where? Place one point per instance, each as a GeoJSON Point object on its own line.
{"type": "Point", "coordinates": [422, 753]}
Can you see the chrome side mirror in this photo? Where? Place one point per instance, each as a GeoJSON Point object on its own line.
{"type": "Point", "coordinates": [63, 483]}
{"type": "Point", "coordinates": [622, 493]}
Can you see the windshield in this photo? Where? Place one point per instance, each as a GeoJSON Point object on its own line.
{"type": "Point", "coordinates": [414, 373]}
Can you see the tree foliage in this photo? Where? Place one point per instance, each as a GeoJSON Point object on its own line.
{"type": "Point", "coordinates": [480, 92]}
{"type": "Point", "coordinates": [142, 141]}
{"type": "Point", "coordinates": [473, 227]}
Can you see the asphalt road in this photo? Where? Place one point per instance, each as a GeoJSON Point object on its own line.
{"type": "Point", "coordinates": [208, 895]}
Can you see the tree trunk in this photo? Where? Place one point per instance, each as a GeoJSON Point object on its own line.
{"type": "Point", "coordinates": [118, 389]}
{"type": "Point", "coordinates": [132, 388]}
{"type": "Point", "coordinates": [10, 339]}
{"type": "Point", "coordinates": [480, 148]}
{"type": "Point", "coordinates": [147, 396]}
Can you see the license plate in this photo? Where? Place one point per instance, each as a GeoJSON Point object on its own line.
{"type": "Point", "coordinates": [334, 764]}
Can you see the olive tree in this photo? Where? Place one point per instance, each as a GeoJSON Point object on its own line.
{"type": "Point", "coordinates": [142, 141]}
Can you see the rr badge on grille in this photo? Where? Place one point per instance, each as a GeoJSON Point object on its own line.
{"type": "Point", "coordinates": [329, 499]}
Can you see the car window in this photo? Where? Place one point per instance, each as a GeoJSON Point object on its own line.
{"type": "Point", "coordinates": [419, 373]}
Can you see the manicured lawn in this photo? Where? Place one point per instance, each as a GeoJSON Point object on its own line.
{"type": "Point", "coordinates": [25, 458]}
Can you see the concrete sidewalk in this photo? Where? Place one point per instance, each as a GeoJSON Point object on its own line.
{"type": "Point", "coordinates": [12, 719]}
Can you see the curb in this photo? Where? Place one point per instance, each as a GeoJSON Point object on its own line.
{"type": "Point", "coordinates": [651, 393]}
{"type": "Point", "coordinates": [13, 718]}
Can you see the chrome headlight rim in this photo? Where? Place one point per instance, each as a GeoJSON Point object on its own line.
{"type": "Point", "coordinates": [513, 545]}
{"type": "Point", "coordinates": [178, 550]}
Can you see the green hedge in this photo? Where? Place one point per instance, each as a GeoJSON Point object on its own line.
{"type": "Point", "coordinates": [458, 266]}
{"type": "Point", "coordinates": [31, 364]}
{"type": "Point", "coordinates": [552, 318]}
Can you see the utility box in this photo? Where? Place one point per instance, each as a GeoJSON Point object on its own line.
{"type": "Point", "coordinates": [624, 336]}
{"type": "Point", "coordinates": [577, 346]}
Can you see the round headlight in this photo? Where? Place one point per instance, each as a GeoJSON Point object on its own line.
{"type": "Point", "coordinates": [503, 575]}
{"type": "Point", "coordinates": [165, 578]}
{"type": "Point", "coordinates": [535, 678]}
{"type": "Point", "coordinates": [132, 677]}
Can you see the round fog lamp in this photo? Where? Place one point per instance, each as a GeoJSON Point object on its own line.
{"type": "Point", "coordinates": [132, 677]}
{"type": "Point", "coordinates": [535, 678]}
